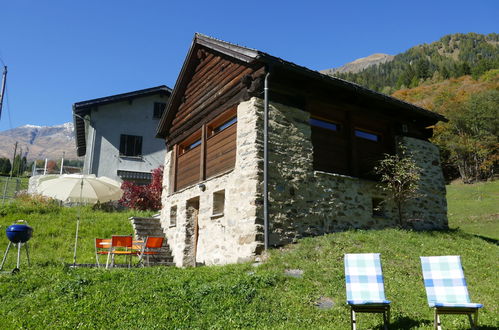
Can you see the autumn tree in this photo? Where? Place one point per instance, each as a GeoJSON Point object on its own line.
{"type": "Point", "coordinates": [470, 138]}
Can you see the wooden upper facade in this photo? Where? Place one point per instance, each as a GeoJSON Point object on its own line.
{"type": "Point", "coordinates": [351, 126]}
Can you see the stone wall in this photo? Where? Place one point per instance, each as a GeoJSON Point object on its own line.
{"type": "Point", "coordinates": [429, 210]}
{"type": "Point", "coordinates": [304, 202]}
{"type": "Point", "coordinates": [236, 235]}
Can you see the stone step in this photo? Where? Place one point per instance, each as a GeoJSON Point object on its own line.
{"type": "Point", "coordinates": [145, 227]}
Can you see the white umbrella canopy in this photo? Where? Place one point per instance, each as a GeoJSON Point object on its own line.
{"type": "Point", "coordinates": [78, 188]}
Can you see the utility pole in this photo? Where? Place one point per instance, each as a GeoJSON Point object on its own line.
{"type": "Point", "coordinates": [62, 162]}
{"type": "Point", "coordinates": [10, 177]}
{"type": "Point", "coordinates": [13, 160]}
{"type": "Point", "coordinates": [2, 90]}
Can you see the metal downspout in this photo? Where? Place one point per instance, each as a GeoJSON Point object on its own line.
{"type": "Point", "coordinates": [265, 162]}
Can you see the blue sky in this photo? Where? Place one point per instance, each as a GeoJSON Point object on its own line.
{"type": "Point", "coordinates": [61, 52]}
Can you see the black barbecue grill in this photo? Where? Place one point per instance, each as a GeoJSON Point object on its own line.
{"type": "Point", "coordinates": [18, 233]}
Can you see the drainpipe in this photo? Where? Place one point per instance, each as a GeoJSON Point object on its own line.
{"type": "Point", "coordinates": [265, 162]}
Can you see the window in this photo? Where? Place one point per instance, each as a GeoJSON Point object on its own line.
{"type": "Point", "coordinates": [208, 152]}
{"type": "Point", "coordinates": [173, 216]}
{"type": "Point", "coordinates": [330, 146]}
{"type": "Point", "coordinates": [324, 124]}
{"type": "Point", "coordinates": [224, 125]}
{"type": "Point", "coordinates": [218, 203]}
{"type": "Point", "coordinates": [378, 207]}
{"type": "Point", "coordinates": [159, 108]}
{"type": "Point", "coordinates": [130, 145]}
{"type": "Point", "coordinates": [367, 135]}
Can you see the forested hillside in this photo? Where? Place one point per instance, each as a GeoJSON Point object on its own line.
{"type": "Point", "coordinates": [452, 56]}
{"type": "Point", "coordinates": [469, 142]}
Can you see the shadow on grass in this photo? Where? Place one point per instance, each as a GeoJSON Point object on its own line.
{"type": "Point", "coordinates": [461, 232]}
{"type": "Point", "coordinates": [405, 323]}
{"type": "Point", "coordinates": [488, 239]}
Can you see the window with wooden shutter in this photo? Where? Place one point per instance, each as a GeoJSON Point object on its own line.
{"type": "Point", "coordinates": [208, 152]}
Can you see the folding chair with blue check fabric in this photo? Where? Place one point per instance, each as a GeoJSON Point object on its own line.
{"type": "Point", "coordinates": [365, 286]}
{"type": "Point", "coordinates": [446, 288]}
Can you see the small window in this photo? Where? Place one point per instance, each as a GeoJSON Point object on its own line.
{"type": "Point", "coordinates": [190, 143]}
{"type": "Point", "coordinates": [367, 135]}
{"type": "Point", "coordinates": [218, 203]}
{"type": "Point", "coordinates": [130, 145]}
{"type": "Point", "coordinates": [173, 216]}
{"type": "Point", "coordinates": [193, 145]}
{"type": "Point", "coordinates": [159, 108]}
{"type": "Point", "coordinates": [324, 124]}
{"type": "Point", "coordinates": [378, 207]}
{"type": "Point", "coordinates": [224, 125]}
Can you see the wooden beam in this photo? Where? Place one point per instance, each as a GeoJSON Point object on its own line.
{"type": "Point", "coordinates": [202, 161]}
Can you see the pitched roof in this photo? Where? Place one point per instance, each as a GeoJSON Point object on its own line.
{"type": "Point", "coordinates": [80, 109]}
{"type": "Point", "coordinates": [250, 55]}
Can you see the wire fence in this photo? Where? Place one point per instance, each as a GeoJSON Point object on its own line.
{"type": "Point", "coordinates": [10, 187]}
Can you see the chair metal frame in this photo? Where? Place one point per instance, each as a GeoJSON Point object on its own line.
{"type": "Point", "coordinates": [124, 243]}
{"type": "Point", "coordinates": [101, 248]}
{"type": "Point", "coordinates": [151, 242]}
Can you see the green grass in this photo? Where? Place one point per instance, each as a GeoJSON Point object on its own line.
{"type": "Point", "coordinates": [10, 186]}
{"type": "Point", "coordinates": [48, 294]}
{"type": "Point", "coordinates": [475, 208]}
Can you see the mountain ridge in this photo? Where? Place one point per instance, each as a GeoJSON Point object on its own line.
{"type": "Point", "coordinates": [360, 64]}
{"type": "Point", "coordinates": [452, 56]}
{"type": "Point", "coordinates": [39, 142]}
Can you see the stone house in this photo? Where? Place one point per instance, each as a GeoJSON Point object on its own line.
{"type": "Point", "coordinates": [324, 137]}
{"type": "Point", "coordinates": [116, 134]}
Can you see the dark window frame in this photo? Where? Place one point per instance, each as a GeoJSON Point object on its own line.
{"type": "Point", "coordinates": [368, 135]}
{"type": "Point", "coordinates": [329, 125]}
{"type": "Point", "coordinates": [158, 110]}
{"type": "Point", "coordinates": [130, 145]}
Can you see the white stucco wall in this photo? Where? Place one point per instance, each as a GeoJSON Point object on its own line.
{"type": "Point", "coordinates": [108, 122]}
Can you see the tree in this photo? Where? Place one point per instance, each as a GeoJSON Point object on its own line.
{"type": "Point", "coordinates": [19, 165]}
{"type": "Point", "coordinates": [400, 176]}
{"type": "Point", "coordinates": [146, 197]}
{"type": "Point", "coordinates": [470, 138]}
{"type": "Point", "coordinates": [5, 166]}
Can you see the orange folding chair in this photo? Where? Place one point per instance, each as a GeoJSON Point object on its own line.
{"type": "Point", "coordinates": [101, 248]}
{"type": "Point", "coordinates": [120, 245]}
{"type": "Point", "coordinates": [151, 247]}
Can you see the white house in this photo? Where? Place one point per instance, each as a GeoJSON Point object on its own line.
{"type": "Point", "coordinates": [116, 134]}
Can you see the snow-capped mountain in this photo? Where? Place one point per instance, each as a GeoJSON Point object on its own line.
{"type": "Point", "coordinates": [39, 142]}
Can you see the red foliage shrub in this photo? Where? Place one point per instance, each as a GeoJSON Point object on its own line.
{"type": "Point", "coordinates": [146, 197]}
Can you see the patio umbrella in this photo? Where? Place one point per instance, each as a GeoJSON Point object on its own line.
{"type": "Point", "coordinates": [81, 189]}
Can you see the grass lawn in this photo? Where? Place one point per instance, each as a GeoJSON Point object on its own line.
{"type": "Point", "coordinates": [48, 294]}
{"type": "Point", "coordinates": [475, 208]}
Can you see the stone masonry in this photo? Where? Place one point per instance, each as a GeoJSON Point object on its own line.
{"type": "Point", "coordinates": [235, 235]}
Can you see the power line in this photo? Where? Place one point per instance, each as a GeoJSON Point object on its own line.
{"type": "Point", "coordinates": [8, 105]}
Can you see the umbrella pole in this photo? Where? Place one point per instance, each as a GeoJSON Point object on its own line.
{"type": "Point", "coordinates": [76, 238]}
{"type": "Point", "coordinates": [78, 223]}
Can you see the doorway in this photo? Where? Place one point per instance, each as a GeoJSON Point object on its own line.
{"type": "Point", "coordinates": [191, 232]}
